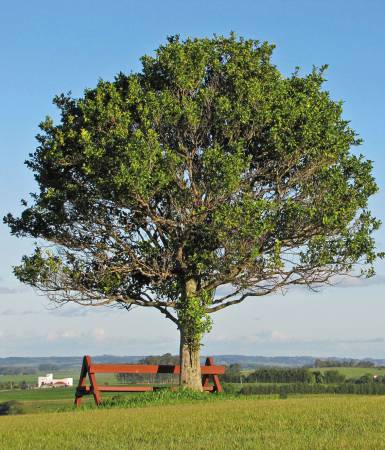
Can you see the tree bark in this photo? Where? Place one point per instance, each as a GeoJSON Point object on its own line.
{"type": "Point", "coordinates": [190, 367]}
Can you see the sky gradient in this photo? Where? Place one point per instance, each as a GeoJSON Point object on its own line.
{"type": "Point", "coordinates": [49, 47]}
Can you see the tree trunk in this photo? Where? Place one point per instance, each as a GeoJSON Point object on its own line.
{"type": "Point", "coordinates": [190, 367]}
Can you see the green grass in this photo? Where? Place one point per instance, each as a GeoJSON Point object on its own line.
{"type": "Point", "coordinates": [37, 394]}
{"type": "Point", "coordinates": [62, 399]}
{"type": "Point", "coordinates": [295, 423]}
{"type": "Point", "coordinates": [355, 372]}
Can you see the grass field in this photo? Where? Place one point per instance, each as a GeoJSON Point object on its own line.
{"type": "Point", "coordinates": [355, 372]}
{"type": "Point", "coordinates": [249, 423]}
{"type": "Point", "coordinates": [47, 400]}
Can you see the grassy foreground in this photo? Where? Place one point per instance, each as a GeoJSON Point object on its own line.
{"type": "Point", "coordinates": [294, 423]}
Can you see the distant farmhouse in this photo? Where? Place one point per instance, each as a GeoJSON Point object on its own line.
{"type": "Point", "coordinates": [49, 382]}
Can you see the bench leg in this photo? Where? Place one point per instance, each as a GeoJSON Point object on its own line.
{"type": "Point", "coordinates": [94, 388]}
{"type": "Point", "coordinates": [206, 378]}
{"type": "Point", "coordinates": [217, 384]}
{"type": "Point", "coordinates": [97, 396]}
{"type": "Point", "coordinates": [82, 381]}
{"type": "Point", "coordinates": [78, 400]}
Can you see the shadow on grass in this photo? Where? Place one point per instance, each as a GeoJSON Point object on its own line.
{"type": "Point", "coordinates": [10, 408]}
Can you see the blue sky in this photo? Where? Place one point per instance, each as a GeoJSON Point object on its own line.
{"type": "Point", "coordinates": [51, 47]}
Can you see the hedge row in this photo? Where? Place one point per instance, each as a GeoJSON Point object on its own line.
{"type": "Point", "coordinates": [304, 388]}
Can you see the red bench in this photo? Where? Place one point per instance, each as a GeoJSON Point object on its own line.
{"type": "Point", "coordinates": [90, 369]}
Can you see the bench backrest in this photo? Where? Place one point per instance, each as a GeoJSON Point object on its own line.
{"type": "Point", "coordinates": [151, 369]}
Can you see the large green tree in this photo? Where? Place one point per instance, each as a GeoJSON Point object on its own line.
{"type": "Point", "coordinates": [208, 169]}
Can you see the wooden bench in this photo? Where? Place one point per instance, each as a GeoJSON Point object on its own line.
{"type": "Point", "coordinates": [90, 369]}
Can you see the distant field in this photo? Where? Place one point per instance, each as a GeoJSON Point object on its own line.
{"type": "Point", "coordinates": [355, 372]}
{"type": "Point", "coordinates": [74, 373]}
{"type": "Point", "coordinates": [295, 423]}
{"type": "Point", "coordinates": [350, 372]}
{"type": "Point", "coordinates": [37, 394]}
{"type": "Point", "coordinates": [30, 379]}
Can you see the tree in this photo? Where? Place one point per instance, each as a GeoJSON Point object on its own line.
{"type": "Point", "coordinates": [208, 169]}
{"type": "Point", "coordinates": [233, 373]}
{"type": "Point", "coordinates": [318, 376]}
{"type": "Point", "coordinates": [333, 376]}
{"type": "Point", "coordinates": [166, 359]}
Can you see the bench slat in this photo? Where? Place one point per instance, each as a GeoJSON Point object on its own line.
{"type": "Point", "coordinates": [150, 369]}
{"type": "Point", "coordinates": [125, 388]}
{"type": "Point", "coordinates": [83, 389]}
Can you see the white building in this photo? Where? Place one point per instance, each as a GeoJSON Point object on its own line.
{"type": "Point", "coordinates": [49, 381]}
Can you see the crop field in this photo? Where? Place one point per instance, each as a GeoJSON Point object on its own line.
{"type": "Point", "coordinates": [322, 422]}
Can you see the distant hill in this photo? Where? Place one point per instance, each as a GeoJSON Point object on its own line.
{"type": "Point", "coordinates": [64, 362]}
{"type": "Point", "coordinates": [264, 361]}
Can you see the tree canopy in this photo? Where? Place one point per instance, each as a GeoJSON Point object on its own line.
{"type": "Point", "coordinates": [208, 169]}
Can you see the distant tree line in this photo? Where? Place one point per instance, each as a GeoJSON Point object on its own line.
{"type": "Point", "coordinates": [306, 388]}
{"type": "Point", "coordinates": [8, 385]}
{"type": "Point", "coordinates": [283, 375]}
{"type": "Point", "coordinates": [167, 359]}
{"type": "Point", "coordinates": [28, 370]}
{"type": "Point", "coordinates": [17, 370]}
{"type": "Point", "coordinates": [342, 363]}
{"type": "Point", "coordinates": [161, 378]}
{"type": "Point", "coordinates": [48, 367]}
{"type": "Point", "coordinates": [280, 375]}
{"type": "Point", "coordinates": [234, 374]}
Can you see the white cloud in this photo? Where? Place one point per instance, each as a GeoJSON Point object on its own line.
{"type": "Point", "coordinates": [53, 336]}
{"type": "Point", "coordinates": [346, 282]}
{"type": "Point", "coordinates": [6, 290]}
{"type": "Point", "coordinates": [99, 334]}
{"type": "Point", "coordinates": [27, 312]}
{"type": "Point", "coordinates": [63, 311]}
{"type": "Point", "coordinates": [70, 334]}
{"type": "Point", "coordinates": [280, 336]}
